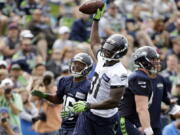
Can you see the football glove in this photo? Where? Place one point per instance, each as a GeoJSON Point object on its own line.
{"type": "Point", "coordinates": [67, 112]}
{"type": "Point", "coordinates": [99, 13]}
{"type": "Point", "coordinates": [39, 94]}
{"type": "Point", "coordinates": [81, 106]}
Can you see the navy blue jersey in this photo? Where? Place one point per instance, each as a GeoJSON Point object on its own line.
{"type": "Point", "coordinates": [72, 92]}
{"type": "Point", "coordinates": [138, 84]}
{"type": "Point", "coordinates": [160, 88]}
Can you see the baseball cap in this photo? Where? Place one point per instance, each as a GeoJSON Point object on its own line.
{"type": "Point", "coordinates": [3, 63]}
{"type": "Point", "coordinates": [26, 34]}
{"type": "Point", "coordinates": [48, 73]}
{"type": "Point", "coordinates": [4, 110]}
{"type": "Point", "coordinates": [7, 82]}
{"type": "Point", "coordinates": [175, 109]}
{"type": "Point", "coordinates": [64, 29]}
{"type": "Point", "coordinates": [13, 26]}
{"type": "Point", "coordinates": [15, 66]}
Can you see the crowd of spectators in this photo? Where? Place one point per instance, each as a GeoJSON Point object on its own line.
{"type": "Point", "coordinates": [38, 38]}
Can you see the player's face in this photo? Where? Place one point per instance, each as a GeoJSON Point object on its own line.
{"type": "Point", "coordinates": [78, 66]}
{"type": "Point", "coordinates": [157, 64]}
{"type": "Point", "coordinates": [107, 53]}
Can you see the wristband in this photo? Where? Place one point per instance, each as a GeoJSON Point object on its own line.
{"type": "Point", "coordinates": [45, 95]}
{"type": "Point", "coordinates": [148, 131]}
{"type": "Point", "coordinates": [97, 20]}
{"type": "Point", "coordinates": [88, 105]}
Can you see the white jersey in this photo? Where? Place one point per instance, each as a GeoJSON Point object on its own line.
{"type": "Point", "coordinates": [103, 79]}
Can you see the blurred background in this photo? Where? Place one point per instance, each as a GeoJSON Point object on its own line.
{"type": "Point", "coordinates": [38, 36]}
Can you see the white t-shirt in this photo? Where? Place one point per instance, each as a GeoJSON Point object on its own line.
{"type": "Point", "coordinates": [60, 44]}
{"type": "Point", "coordinates": [103, 79]}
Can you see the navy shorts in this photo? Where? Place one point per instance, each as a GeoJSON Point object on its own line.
{"type": "Point", "coordinates": [66, 131]}
{"type": "Point", "coordinates": [125, 127]}
{"type": "Point", "coordinates": [90, 124]}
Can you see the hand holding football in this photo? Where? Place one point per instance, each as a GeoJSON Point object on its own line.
{"type": "Point", "coordinates": [90, 7]}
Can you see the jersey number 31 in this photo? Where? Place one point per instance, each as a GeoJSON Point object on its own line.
{"type": "Point", "coordinates": [95, 85]}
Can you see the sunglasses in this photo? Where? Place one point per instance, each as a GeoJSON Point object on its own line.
{"type": "Point", "coordinates": [2, 67]}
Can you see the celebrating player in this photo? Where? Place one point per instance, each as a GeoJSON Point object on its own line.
{"type": "Point", "coordinates": [70, 90]}
{"type": "Point", "coordinates": [107, 87]}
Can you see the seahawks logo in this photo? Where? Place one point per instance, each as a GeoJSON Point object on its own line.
{"type": "Point", "coordinates": [160, 85]}
{"type": "Point", "coordinates": [123, 77]}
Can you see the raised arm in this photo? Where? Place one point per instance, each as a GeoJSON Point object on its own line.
{"type": "Point", "coordinates": [94, 37]}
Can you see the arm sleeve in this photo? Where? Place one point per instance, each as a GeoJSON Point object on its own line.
{"type": "Point", "coordinates": [140, 86]}
{"type": "Point", "coordinates": [60, 88]}
{"type": "Point", "coordinates": [119, 80]}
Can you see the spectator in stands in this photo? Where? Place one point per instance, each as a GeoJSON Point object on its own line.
{"type": "Point", "coordinates": [29, 112]}
{"type": "Point", "coordinates": [143, 23]}
{"type": "Point", "coordinates": [173, 24]}
{"type": "Point", "coordinates": [26, 34]}
{"type": "Point", "coordinates": [3, 64]}
{"type": "Point", "coordinates": [25, 57]}
{"type": "Point", "coordinates": [63, 36]}
{"type": "Point", "coordinates": [81, 29]}
{"type": "Point", "coordinates": [12, 101]}
{"type": "Point", "coordinates": [170, 73]}
{"type": "Point", "coordinates": [160, 36]}
{"type": "Point", "coordinates": [54, 64]}
{"type": "Point", "coordinates": [37, 74]}
{"type": "Point", "coordinates": [39, 25]}
{"type": "Point", "coordinates": [3, 74]}
{"type": "Point", "coordinates": [40, 28]}
{"type": "Point", "coordinates": [175, 47]}
{"type": "Point", "coordinates": [176, 91]}
{"type": "Point", "coordinates": [67, 54]}
{"type": "Point", "coordinates": [112, 22]}
{"type": "Point", "coordinates": [6, 127]}
{"type": "Point", "coordinates": [48, 121]}
{"type": "Point", "coordinates": [174, 127]}
{"type": "Point", "coordinates": [11, 42]}
{"type": "Point", "coordinates": [19, 77]}
{"type": "Point", "coordinates": [164, 8]}
{"type": "Point", "coordinates": [28, 6]}
{"type": "Point", "coordinates": [39, 70]}
{"type": "Point", "coordinates": [3, 23]}
{"type": "Point", "coordinates": [43, 5]}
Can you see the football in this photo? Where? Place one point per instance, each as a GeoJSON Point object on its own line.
{"type": "Point", "coordinates": [90, 7]}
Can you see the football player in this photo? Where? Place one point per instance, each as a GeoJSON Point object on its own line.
{"type": "Point", "coordinates": [160, 93]}
{"type": "Point", "coordinates": [141, 104]}
{"type": "Point", "coordinates": [107, 86]}
{"type": "Point", "coordinates": [71, 89]}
